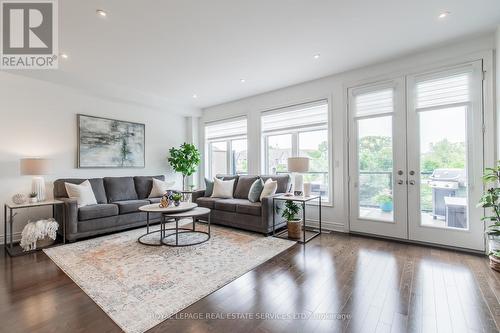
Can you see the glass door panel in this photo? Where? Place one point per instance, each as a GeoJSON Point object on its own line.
{"type": "Point", "coordinates": [375, 165]}
{"type": "Point", "coordinates": [443, 168]}
{"type": "Point", "coordinates": [219, 162]}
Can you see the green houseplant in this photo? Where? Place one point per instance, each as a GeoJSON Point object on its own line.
{"type": "Point", "coordinates": [177, 197]}
{"type": "Point", "coordinates": [290, 213]}
{"type": "Point", "coordinates": [384, 199]}
{"type": "Point", "coordinates": [185, 160]}
{"type": "Point", "coordinates": [33, 196]}
{"type": "Point", "coordinates": [490, 200]}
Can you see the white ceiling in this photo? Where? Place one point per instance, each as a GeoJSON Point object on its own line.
{"type": "Point", "coordinates": [161, 52]}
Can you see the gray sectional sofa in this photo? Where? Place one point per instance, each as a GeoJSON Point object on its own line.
{"type": "Point", "coordinates": [118, 200]}
{"type": "Point", "coordinates": [239, 212]}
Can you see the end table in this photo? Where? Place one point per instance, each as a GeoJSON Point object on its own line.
{"type": "Point", "coordinates": [305, 229]}
{"type": "Point", "coordinates": [9, 208]}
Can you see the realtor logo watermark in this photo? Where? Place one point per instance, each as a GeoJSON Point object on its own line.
{"type": "Point", "coordinates": [29, 34]}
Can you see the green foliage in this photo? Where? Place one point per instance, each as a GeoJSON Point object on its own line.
{"type": "Point", "coordinates": [490, 199]}
{"type": "Point", "coordinates": [33, 194]}
{"type": "Point", "coordinates": [444, 154]}
{"type": "Point", "coordinates": [375, 153]}
{"type": "Point", "coordinates": [177, 196]}
{"type": "Point", "coordinates": [184, 159]}
{"type": "Point", "coordinates": [291, 210]}
{"type": "Point", "coordinates": [495, 253]}
{"type": "Point", "coordinates": [383, 197]}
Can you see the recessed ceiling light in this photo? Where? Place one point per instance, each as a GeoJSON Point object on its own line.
{"type": "Point", "coordinates": [101, 12]}
{"type": "Point", "coordinates": [195, 96]}
{"type": "Point", "coordinates": [316, 56]}
{"type": "Point", "coordinates": [444, 14]}
{"type": "Point", "coordinates": [64, 56]}
{"type": "Point", "coordinates": [243, 80]}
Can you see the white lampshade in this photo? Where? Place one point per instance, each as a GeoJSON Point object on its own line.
{"type": "Point", "coordinates": [35, 166]}
{"type": "Point", "coordinates": [298, 164]}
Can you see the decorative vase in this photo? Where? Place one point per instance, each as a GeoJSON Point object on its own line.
{"type": "Point", "coordinates": [164, 202]}
{"type": "Point", "coordinates": [294, 228]}
{"type": "Point", "coordinates": [33, 200]}
{"type": "Point", "coordinates": [307, 189]}
{"type": "Point", "coordinates": [19, 198]}
{"type": "Point", "coordinates": [177, 203]}
{"type": "Point", "coordinates": [386, 207]}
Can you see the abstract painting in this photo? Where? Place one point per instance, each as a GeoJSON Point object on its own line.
{"type": "Point", "coordinates": [109, 143]}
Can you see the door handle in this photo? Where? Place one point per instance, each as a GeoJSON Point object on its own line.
{"type": "Point", "coordinates": [400, 182]}
{"type": "Point", "coordinates": [412, 182]}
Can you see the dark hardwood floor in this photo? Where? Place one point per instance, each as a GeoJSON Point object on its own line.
{"type": "Point", "coordinates": [335, 283]}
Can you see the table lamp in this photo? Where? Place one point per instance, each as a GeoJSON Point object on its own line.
{"type": "Point", "coordinates": [298, 165]}
{"type": "Point", "coordinates": [36, 167]}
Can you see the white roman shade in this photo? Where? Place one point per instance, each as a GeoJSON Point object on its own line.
{"type": "Point", "coordinates": [225, 129]}
{"type": "Point", "coordinates": [374, 102]}
{"type": "Point", "coordinates": [304, 115]}
{"type": "Point", "coordinates": [451, 89]}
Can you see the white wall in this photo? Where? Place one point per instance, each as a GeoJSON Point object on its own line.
{"type": "Point", "coordinates": [334, 88]}
{"type": "Point", "coordinates": [38, 118]}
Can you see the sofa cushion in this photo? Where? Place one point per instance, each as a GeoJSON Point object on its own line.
{"type": "Point", "coordinates": [96, 183]}
{"type": "Point", "coordinates": [230, 177]}
{"type": "Point", "coordinates": [243, 186]}
{"type": "Point", "coordinates": [209, 187]}
{"type": "Point", "coordinates": [207, 202]}
{"type": "Point", "coordinates": [144, 184]}
{"type": "Point", "coordinates": [249, 208]}
{"type": "Point", "coordinates": [284, 182]}
{"type": "Point", "coordinates": [228, 205]}
{"type": "Point", "coordinates": [97, 211]}
{"type": "Point", "coordinates": [130, 206]}
{"type": "Point", "coordinates": [120, 188]}
{"type": "Point", "coordinates": [256, 190]}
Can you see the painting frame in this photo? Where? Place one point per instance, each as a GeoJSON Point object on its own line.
{"type": "Point", "coordinates": [79, 163]}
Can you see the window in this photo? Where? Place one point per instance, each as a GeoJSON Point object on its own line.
{"type": "Point", "coordinates": [299, 131]}
{"type": "Point", "coordinates": [226, 147]}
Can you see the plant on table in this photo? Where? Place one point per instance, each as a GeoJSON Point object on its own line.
{"type": "Point", "coordinates": [185, 160]}
{"type": "Point", "coordinates": [290, 213]}
{"type": "Point", "coordinates": [177, 197]}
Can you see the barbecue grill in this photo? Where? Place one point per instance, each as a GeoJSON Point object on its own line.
{"type": "Point", "coordinates": [445, 183]}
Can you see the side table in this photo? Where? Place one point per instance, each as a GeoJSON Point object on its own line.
{"type": "Point", "coordinates": [9, 208]}
{"type": "Point", "coordinates": [305, 229]}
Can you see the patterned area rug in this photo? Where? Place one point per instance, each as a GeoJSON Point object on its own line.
{"type": "Point", "coordinates": [140, 286]}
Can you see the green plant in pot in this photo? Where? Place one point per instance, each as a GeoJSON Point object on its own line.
{"type": "Point", "coordinates": [184, 160]}
{"type": "Point", "coordinates": [490, 201]}
{"type": "Point", "coordinates": [177, 197]}
{"type": "Point", "coordinates": [290, 213]}
{"type": "Point", "coordinates": [33, 196]}
{"type": "Point", "coordinates": [384, 200]}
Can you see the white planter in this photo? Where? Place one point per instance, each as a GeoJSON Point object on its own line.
{"type": "Point", "coordinates": [33, 200]}
{"type": "Point", "coordinates": [494, 243]}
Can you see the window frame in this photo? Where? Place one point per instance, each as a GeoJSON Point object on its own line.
{"type": "Point", "coordinates": [294, 132]}
{"type": "Point", "coordinates": [223, 139]}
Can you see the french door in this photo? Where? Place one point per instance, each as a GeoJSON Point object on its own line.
{"type": "Point", "coordinates": [416, 157]}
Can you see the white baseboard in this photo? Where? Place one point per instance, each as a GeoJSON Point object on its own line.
{"type": "Point", "coordinates": [327, 225]}
{"type": "Point", "coordinates": [16, 236]}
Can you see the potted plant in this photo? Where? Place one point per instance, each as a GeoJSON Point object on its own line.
{"type": "Point", "coordinates": [185, 160]}
{"type": "Point", "coordinates": [384, 200]}
{"type": "Point", "coordinates": [490, 200]}
{"type": "Point", "coordinates": [33, 196]}
{"type": "Point", "coordinates": [495, 260]}
{"type": "Point", "coordinates": [177, 197]}
{"type": "Point", "coordinates": [290, 215]}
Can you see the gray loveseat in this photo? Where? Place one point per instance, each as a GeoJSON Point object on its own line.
{"type": "Point", "coordinates": [240, 212]}
{"type": "Point", "coordinates": [118, 201]}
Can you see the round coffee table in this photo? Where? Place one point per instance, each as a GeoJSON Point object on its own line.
{"type": "Point", "coordinates": [184, 210]}
{"type": "Point", "coordinates": [192, 213]}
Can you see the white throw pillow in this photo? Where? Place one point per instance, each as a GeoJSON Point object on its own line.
{"type": "Point", "coordinates": [159, 188]}
{"type": "Point", "coordinates": [83, 193]}
{"type": "Point", "coordinates": [270, 187]}
{"type": "Point", "coordinates": [223, 188]}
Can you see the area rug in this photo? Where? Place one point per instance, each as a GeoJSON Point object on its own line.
{"type": "Point", "coordinates": [140, 286]}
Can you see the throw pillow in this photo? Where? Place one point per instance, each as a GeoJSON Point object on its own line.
{"type": "Point", "coordinates": [255, 190]}
{"type": "Point", "coordinates": [159, 188]}
{"type": "Point", "coordinates": [223, 189]}
{"type": "Point", "coordinates": [83, 193]}
{"type": "Point", "coordinates": [209, 187]}
{"type": "Point", "coordinates": [270, 187]}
